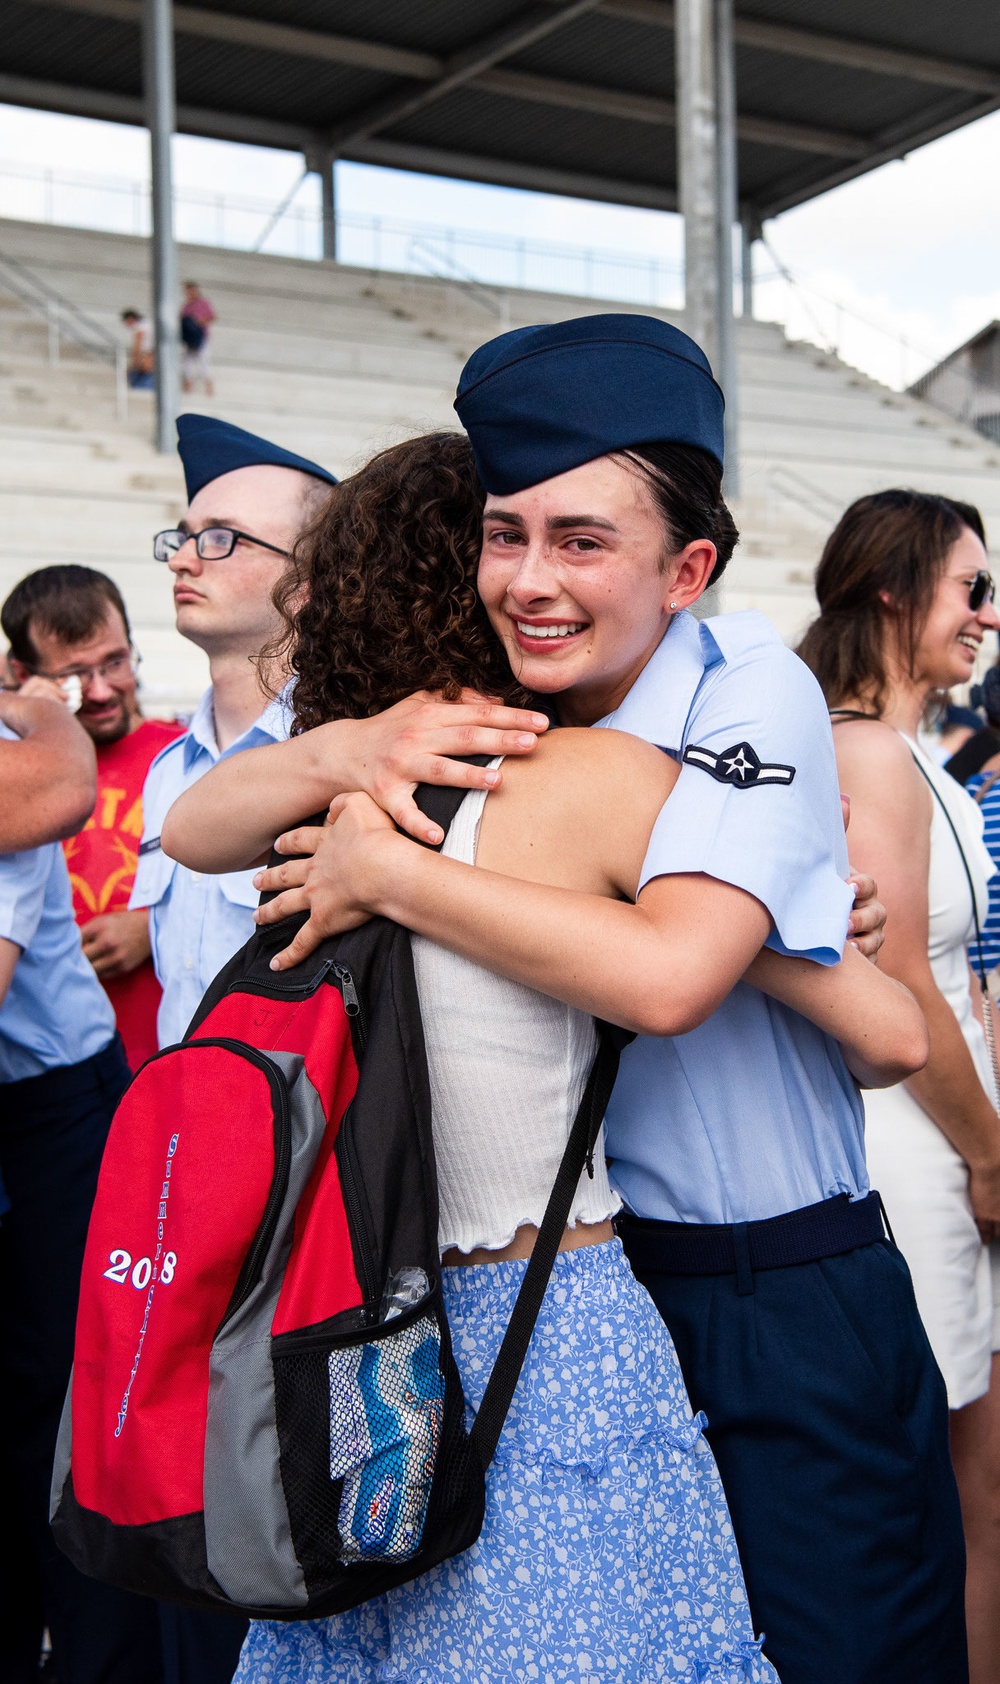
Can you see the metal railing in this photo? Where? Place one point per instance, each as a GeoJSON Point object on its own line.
{"type": "Point", "coordinates": [431, 259]}
{"type": "Point", "coordinates": [963, 392]}
{"type": "Point", "coordinates": [65, 321]}
{"type": "Point", "coordinates": [793, 487]}
{"type": "Point", "coordinates": [122, 206]}
{"type": "Point", "coordinates": [479, 260]}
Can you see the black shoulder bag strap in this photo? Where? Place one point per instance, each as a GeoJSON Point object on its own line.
{"type": "Point", "coordinates": [502, 1382]}
{"type": "Point", "coordinates": [440, 802]}
{"type": "Point", "coordinates": [853, 713]}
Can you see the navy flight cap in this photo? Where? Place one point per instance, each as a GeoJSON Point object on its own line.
{"type": "Point", "coordinates": [541, 400]}
{"type": "Point", "coordinates": [209, 447]}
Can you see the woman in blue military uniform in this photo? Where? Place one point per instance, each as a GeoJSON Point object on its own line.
{"type": "Point", "coordinates": [736, 1132]}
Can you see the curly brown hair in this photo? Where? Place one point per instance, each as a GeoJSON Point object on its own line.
{"type": "Point", "coordinates": [380, 598]}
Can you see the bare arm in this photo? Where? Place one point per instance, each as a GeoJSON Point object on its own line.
{"type": "Point", "coordinates": [659, 967]}
{"type": "Point", "coordinates": [890, 836]}
{"type": "Point", "coordinates": [878, 1023]}
{"type": "Point", "coordinates": [10, 953]}
{"type": "Point", "coordinates": [49, 778]}
{"type": "Point", "coordinates": [230, 818]}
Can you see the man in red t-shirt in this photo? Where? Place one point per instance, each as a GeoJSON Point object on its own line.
{"type": "Point", "coordinates": [69, 634]}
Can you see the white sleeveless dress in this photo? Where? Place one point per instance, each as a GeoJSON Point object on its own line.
{"type": "Point", "coordinates": [922, 1179]}
{"type": "Point", "coordinates": [607, 1552]}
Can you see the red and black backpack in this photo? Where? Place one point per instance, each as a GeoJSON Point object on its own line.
{"type": "Point", "coordinates": [265, 1413]}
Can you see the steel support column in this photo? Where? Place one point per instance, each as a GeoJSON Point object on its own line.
{"type": "Point", "coordinates": [158, 95]}
{"type": "Point", "coordinates": [749, 232]}
{"type": "Point", "coordinates": [725, 218]}
{"type": "Point", "coordinates": [706, 142]}
{"type": "Point", "coordinates": [325, 162]}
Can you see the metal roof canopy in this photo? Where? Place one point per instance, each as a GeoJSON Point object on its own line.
{"type": "Point", "coordinates": [570, 99]}
{"type": "Point", "coordinates": [773, 105]}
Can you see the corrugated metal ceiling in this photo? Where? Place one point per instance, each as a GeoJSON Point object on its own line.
{"type": "Point", "coordinates": [826, 88]}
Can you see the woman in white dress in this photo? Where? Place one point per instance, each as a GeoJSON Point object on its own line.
{"type": "Point", "coordinates": [905, 599]}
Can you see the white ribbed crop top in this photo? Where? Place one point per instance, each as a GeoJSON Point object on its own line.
{"type": "Point", "coordinates": [507, 1071]}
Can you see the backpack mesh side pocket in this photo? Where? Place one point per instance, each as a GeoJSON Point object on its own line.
{"type": "Point", "coordinates": [386, 1411]}
{"type": "Point", "coordinates": [370, 1427]}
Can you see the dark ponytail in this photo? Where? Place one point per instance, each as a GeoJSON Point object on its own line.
{"type": "Point", "coordinates": [687, 484]}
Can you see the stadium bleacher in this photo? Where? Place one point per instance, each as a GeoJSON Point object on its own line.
{"type": "Point", "coordinates": [336, 361]}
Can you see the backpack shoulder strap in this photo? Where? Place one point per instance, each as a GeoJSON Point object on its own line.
{"type": "Point", "coordinates": [440, 802]}
{"type": "Point", "coordinates": [500, 1387]}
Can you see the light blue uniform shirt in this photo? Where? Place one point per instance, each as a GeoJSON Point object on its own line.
{"type": "Point", "coordinates": [197, 921]}
{"type": "Point", "coordinates": [55, 1012]}
{"type": "Point", "coordinates": [754, 1113]}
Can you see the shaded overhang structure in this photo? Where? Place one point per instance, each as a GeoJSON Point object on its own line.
{"type": "Point", "coordinates": [684, 106]}
{"type": "Point", "coordinates": [572, 99]}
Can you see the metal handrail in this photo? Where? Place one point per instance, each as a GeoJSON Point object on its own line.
{"type": "Point", "coordinates": [804, 493]}
{"type": "Point", "coordinates": [423, 251]}
{"type": "Point", "coordinates": [65, 320]}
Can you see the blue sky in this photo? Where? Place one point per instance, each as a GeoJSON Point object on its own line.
{"type": "Point", "coordinates": [914, 246]}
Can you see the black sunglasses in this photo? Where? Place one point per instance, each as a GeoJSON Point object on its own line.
{"type": "Point", "coordinates": [213, 544]}
{"type": "Point", "coordinates": [981, 589]}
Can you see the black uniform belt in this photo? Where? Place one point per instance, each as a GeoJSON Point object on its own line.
{"type": "Point", "coordinates": [730, 1248]}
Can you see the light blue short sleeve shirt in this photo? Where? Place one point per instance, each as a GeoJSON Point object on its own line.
{"type": "Point", "coordinates": [55, 1012]}
{"type": "Point", "coordinates": [754, 1113]}
{"type": "Point", "coordinates": [197, 920]}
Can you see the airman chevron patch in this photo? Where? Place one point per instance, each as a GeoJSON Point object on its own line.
{"type": "Point", "coordinates": [740, 765]}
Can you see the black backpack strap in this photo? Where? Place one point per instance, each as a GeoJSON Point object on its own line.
{"type": "Point", "coordinates": [439, 802]}
{"type": "Point", "coordinates": [500, 1387]}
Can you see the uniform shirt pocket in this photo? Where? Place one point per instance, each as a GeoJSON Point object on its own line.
{"type": "Point", "coordinates": [238, 888]}
{"type": "Point", "coordinates": [153, 876]}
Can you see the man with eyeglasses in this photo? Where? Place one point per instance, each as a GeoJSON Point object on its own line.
{"type": "Point", "coordinates": [70, 638]}
{"type": "Point", "coordinates": [248, 502]}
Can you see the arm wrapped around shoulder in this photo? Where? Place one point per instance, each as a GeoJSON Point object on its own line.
{"type": "Point", "coordinates": [880, 1027]}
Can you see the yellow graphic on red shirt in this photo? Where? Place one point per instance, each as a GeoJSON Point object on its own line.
{"type": "Point", "coordinates": [102, 862]}
{"type": "Point", "coordinates": [116, 885]}
{"type": "Point", "coordinates": [102, 858]}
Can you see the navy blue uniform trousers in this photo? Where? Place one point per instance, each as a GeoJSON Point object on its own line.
{"type": "Point", "coordinates": [52, 1133]}
{"type": "Point", "coordinates": [828, 1419]}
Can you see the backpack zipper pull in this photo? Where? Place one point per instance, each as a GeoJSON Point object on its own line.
{"type": "Point", "coordinates": [352, 1005]}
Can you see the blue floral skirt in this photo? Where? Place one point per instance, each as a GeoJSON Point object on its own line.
{"type": "Point", "coordinates": [607, 1555]}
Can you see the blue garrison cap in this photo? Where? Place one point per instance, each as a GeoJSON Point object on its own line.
{"type": "Point", "coordinates": [209, 447]}
{"type": "Point", "coordinates": [541, 400]}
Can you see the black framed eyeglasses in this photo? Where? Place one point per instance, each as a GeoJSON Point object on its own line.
{"type": "Point", "coordinates": [212, 544]}
{"type": "Point", "coordinates": [981, 589]}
